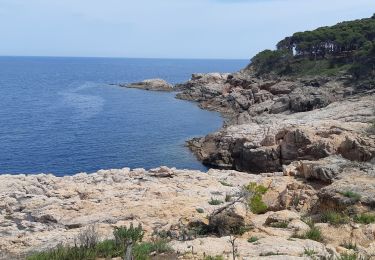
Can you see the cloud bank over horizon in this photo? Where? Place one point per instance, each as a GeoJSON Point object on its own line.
{"type": "Point", "coordinates": [163, 28]}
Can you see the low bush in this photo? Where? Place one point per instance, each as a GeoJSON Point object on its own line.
{"type": "Point", "coordinates": [348, 256]}
{"type": "Point", "coordinates": [350, 245]}
{"type": "Point", "coordinates": [364, 218]}
{"type": "Point", "coordinates": [352, 195]}
{"type": "Point", "coordinates": [255, 194]}
{"type": "Point", "coordinates": [309, 252]}
{"type": "Point", "coordinates": [65, 253]}
{"type": "Point", "coordinates": [313, 234]}
{"type": "Point", "coordinates": [107, 248]}
{"type": "Point", "coordinates": [143, 250]}
{"type": "Point", "coordinates": [252, 239]}
{"type": "Point", "coordinates": [215, 201]}
{"type": "Point", "coordinates": [334, 218]}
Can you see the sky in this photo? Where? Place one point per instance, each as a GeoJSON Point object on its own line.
{"type": "Point", "coordinates": [228, 29]}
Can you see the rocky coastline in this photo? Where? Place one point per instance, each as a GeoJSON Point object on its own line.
{"type": "Point", "coordinates": [308, 140]}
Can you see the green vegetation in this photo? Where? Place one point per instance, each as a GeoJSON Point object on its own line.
{"type": "Point", "coordinates": [309, 252]}
{"type": "Point", "coordinates": [334, 218]}
{"type": "Point", "coordinates": [200, 210]}
{"type": "Point", "coordinates": [352, 195]}
{"type": "Point", "coordinates": [313, 234]}
{"type": "Point", "coordinates": [279, 224]}
{"type": "Point", "coordinates": [142, 251]}
{"type": "Point", "coordinates": [255, 202]}
{"type": "Point", "coordinates": [350, 245]}
{"type": "Point", "coordinates": [128, 237]}
{"type": "Point", "coordinates": [65, 253]}
{"type": "Point", "coordinates": [252, 239]}
{"type": "Point", "coordinates": [215, 202]}
{"type": "Point", "coordinates": [347, 47]}
{"type": "Point", "coordinates": [228, 197]}
{"type": "Point", "coordinates": [364, 218]}
{"type": "Point", "coordinates": [347, 256]}
{"type": "Point", "coordinates": [125, 242]}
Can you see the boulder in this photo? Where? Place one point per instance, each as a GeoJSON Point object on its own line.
{"type": "Point", "coordinates": [283, 216]}
{"type": "Point", "coordinates": [151, 84]}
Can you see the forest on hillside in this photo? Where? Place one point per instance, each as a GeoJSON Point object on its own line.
{"type": "Point", "coordinates": [345, 48]}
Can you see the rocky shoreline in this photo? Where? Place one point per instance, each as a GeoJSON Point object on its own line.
{"type": "Point", "coordinates": [309, 141]}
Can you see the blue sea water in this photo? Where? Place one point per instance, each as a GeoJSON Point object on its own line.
{"type": "Point", "coordinates": [63, 116]}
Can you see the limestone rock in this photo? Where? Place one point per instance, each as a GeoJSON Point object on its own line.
{"type": "Point", "coordinates": [284, 216]}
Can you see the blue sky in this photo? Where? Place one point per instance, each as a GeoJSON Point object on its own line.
{"type": "Point", "coordinates": [163, 28]}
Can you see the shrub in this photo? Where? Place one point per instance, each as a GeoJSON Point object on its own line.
{"type": "Point", "coordinates": [309, 252]}
{"type": "Point", "coordinates": [364, 218]}
{"type": "Point", "coordinates": [350, 245]}
{"type": "Point", "coordinates": [125, 235]}
{"type": "Point", "coordinates": [109, 249]}
{"type": "Point", "coordinates": [255, 193]}
{"type": "Point", "coordinates": [334, 218]}
{"type": "Point", "coordinates": [215, 202]}
{"type": "Point", "coordinates": [65, 253]}
{"type": "Point", "coordinates": [252, 239]}
{"type": "Point", "coordinates": [347, 256]}
{"type": "Point", "coordinates": [200, 210]}
{"type": "Point", "coordinates": [353, 195]}
{"type": "Point", "coordinates": [88, 237]}
{"type": "Point", "coordinates": [128, 237]}
{"type": "Point", "coordinates": [142, 251]}
{"type": "Point", "coordinates": [257, 205]}
{"type": "Point", "coordinates": [313, 234]}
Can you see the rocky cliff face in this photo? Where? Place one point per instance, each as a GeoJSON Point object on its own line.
{"type": "Point", "coordinates": [275, 122]}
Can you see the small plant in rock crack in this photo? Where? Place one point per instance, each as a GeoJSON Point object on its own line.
{"type": "Point", "coordinates": [352, 195]}
{"type": "Point", "coordinates": [215, 201]}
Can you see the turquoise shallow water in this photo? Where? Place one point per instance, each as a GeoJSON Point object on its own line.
{"type": "Point", "coordinates": [63, 116]}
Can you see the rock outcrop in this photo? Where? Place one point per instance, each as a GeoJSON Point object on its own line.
{"type": "Point", "coordinates": [266, 142]}
{"type": "Point", "coordinates": [151, 84]}
{"type": "Point", "coordinates": [38, 212]}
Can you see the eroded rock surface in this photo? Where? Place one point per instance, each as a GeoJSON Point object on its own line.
{"type": "Point", "coordinates": [38, 212]}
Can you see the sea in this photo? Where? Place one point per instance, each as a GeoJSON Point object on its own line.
{"type": "Point", "coordinates": [67, 115]}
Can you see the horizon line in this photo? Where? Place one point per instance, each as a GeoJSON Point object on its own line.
{"type": "Point", "coordinates": [116, 57]}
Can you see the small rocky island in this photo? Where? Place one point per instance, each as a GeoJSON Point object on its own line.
{"type": "Point", "coordinates": [150, 84]}
{"type": "Point", "coordinates": [293, 177]}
